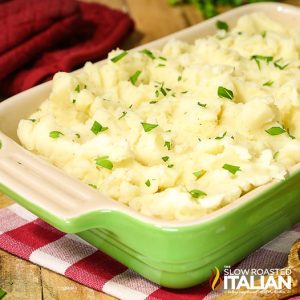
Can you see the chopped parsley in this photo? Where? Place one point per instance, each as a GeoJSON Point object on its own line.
{"type": "Point", "coordinates": [77, 89]}
{"type": "Point", "coordinates": [148, 127]}
{"type": "Point", "coordinates": [199, 174]}
{"type": "Point", "coordinates": [74, 101]}
{"type": "Point", "coordinates": [148, 183]}
{"type": "Point", "coordinates": [78, 135]}
{"type": "Point", "coordinates": [291, 136]}
{"type": "Point", "coordinates": [179, 78]}
{"type": "Point", "coordinates": [165, 158]}
{"type": "Point", "coordinates": [275, 155]}
{"type": "Point", "coordinates": [55, 134]}
{"type": "Point", "coordinates": [275, 130]}
{"type": "Point", "coordinates": [184, 92]}
{"type": "Point", "coordinates": [93, 185]}
{"type": "Point", "coordinates": [225, 93]}
{"type": "Point", "coordinates": [2, 293]}
{"type": "Point", "coordinates": [124, 113]}
{"type": "Point", "coordinates": [32, 120]}
{"type": "Point", "coordinates": [162, 58]}
{"type": "Point", "coordinates": [202, 104]}
{"type": "Point", "coordinates": [170, 166]}
{"type": "Point", "coordinates": [160, 65]}
{"type": "Point", "coordinates": [222, 25]}
{"type": "Point", "coordinates": [119, 57]}
{"type": "Point", "coordinates": [153, 102]}
{"type": "Point", "coordinates": [280, 67]}
{"type": "Point", "coordinates": [97, 127]}
{"type": "Point", "coordinates": [197, 193]}
{"type": "Point", "coordinates": [231, 168]}
{"type": "Point", "coordinates": [133, 79]}
{"type": "Point", "coordinates": [168, 145]}
{"type": "Point", "coordinates": [268, 83]}
{"type": "Point", "coordinates": [222, 136]}
{"type": "Point", "coordinates": [148, 53]}
{"type": "Point", "coordinates": [259, 58]}
{"type": "Point", "coordinates": [104, 162]}
{"type": "Point", "coordinates": [0, 144]}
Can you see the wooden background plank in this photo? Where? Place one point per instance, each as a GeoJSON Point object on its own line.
{"type": "Point", "coordinates": [25, 281]}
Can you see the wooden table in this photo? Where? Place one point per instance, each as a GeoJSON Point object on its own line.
{"type": "Point", "coordinates": [26, 281]}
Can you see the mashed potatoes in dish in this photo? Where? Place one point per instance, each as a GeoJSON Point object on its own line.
{"type": "Point", "coordinates": [179, 132]}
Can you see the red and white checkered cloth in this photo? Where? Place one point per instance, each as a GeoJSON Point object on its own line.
{"type": "Point", "coordinates": [25, 235]}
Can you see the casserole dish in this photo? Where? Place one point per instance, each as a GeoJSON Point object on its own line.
{"type": "Point", "coordinates": [174, 254]}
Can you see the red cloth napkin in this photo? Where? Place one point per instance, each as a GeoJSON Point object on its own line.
{"type": "Point", "coordinates": [43, 37]}
{"type": "Point", "coordinates": [24, 235]}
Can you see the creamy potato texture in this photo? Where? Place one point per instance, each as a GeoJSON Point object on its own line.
{"type": "Point", "coordinates": [179, 132]}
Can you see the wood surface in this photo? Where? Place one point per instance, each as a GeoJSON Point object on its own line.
{"type": "Point", "coordinates": [25, 281]}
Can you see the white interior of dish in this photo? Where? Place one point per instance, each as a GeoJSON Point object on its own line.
{"type": "Point", "coordinates": [51, 189]}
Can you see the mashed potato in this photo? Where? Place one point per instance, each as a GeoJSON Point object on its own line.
{"type": "Point", "coordinates": [179, 132]}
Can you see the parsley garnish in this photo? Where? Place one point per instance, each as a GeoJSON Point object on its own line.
{"type": "Point", "coordinates": [197, 193]}
{"type": "Point", "coordinates": [0, 144]}
{"type": "Point", "coordinates": [259, 58]}
{"type": "Point", "coordinates": [148, 53]}
{"type": "Point", "coordinates": [104, 162]}
{"type": "Point", "coordinates": [221, 137]}
{"type": "Point", "coordinates": [148, 127]}
{"type": "Point", "coordinates": [55, 134]}
{"type": "Point", "coordinates": [170, 166]}
{"type": "Point", "coordinates": [225, 93]}
{"type": "Point", "coordinates": [93, 185]}
{"type": "Point", "coordinates": [118, 57]}
{"type": "Point", "coordinates": [268, 83]}
{"type": "Point", "coordinates": [277, 65]}
{"type": "Point", "coordinates": [74, 101]}
{"type": "Point", "coordinates": [199, 174]}
{"type": "Point", "coordinates": [124, 113]}
{"type": "Point", "coordinates": [97, 127]}
{"type": "Point", "coordinates": [78, 135]}
{"type": "Point", "coordinates": [291, 136]}
{"type": "Point", "coordinates": [275, 130]}
{"type": "Point", "coordinates": [77, 89]}
{"type": "Point", "coordinates": [275, 155]}
{"type": "Point", "coordinates": [263, 34]}
{"type": "Point", "coordinates": [2, 293]}
{"type": "Point", "coordinates": [162, 58]}
{"type": "Point", "coordinates": [179, 78]}
{"type": "Point", "coordinates": [222, 25]}
{"type": "Point", "coordinates": [231, 168]}
{"type": "Point", "coordinates": [32, 120]}
{"type": "Point", "coordinates": [202, 104]}
{"type": "Point", "coordinates": [133, 79]}
{"type": "Point", "coordinates": [168, 145]}
{"type": "Point", "coordinates": [165, 158]}
{"type": "Point", "coordinates": [153, 102]}
{"type": "Point", "coordinates": [160, 65]}
{"type": "Point", "coordinates": [148, 183]}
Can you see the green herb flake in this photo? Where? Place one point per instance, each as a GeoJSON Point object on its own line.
{"type": "Point", "coordinates": [148, 183]}
{"type": "Point", "coordinates": [225, 93]}
{"type": "Point", "coordinates": [222, 136]}
{"type": "Point", "coordinates": [0, 144]}
{"type": "Point", "coordinates": [133, 79]}
{"type": "Point", "coordinates": [130, 106]}
{"type": "Point", "coordinates": [275, 155]}
{"type": "Point", "coordinates": [197, 193]}
{"type": "Point", "coordinates": [275, 130]}
{"type": "Point", "coordinates": [199, 174]}
{"type": "Point", "coordinates": [162, 58]}
{"type": "Point", "coordinates": [259, 58]}
{"type": "Point", "coordinates": [291, 136]}
{"type": "Point", "coordinates": [168, 145]}
{"type": "Point", "coordinates": [124, 113]}
{"type": "Point", "coordinates": [97, 127]}
{"type": "Point", "coordinates": [93, 186]}
{"type": "Point", "coordinates": [148, 53]}
{"type": "Point", "coordinates": [202, 104]}
{"type": "Point", "coordinates": [119, 57]}
{"type": "Point", "coordinates": [268, 83]}
{"type": "Point", "coordinates": [165, 158]}
{"type": "Point", "coordinates": [32, 120]}
{"type": "Point", "coordinates": [222, 25]}
{"type": "Point", "coordinates": [77, 89]}
{"type": "Point", "coordinates": [153, 102]}
{"type": "Point", "coordinates": [264, 34]}
{"type": "Point", "coordinates": [78, 135]}
{"type": "Point", "coordinates": [2, 293]}
{"type": "Point", "coordinates": [179, 78]}
{"type": "Point", "coordinates": [184, 92]}
{"type": "Point", "coordinates": [280, 67]}
{"type": "Point", "coordinates": [231, 168]}
{"type": "Point", "coordinates": [160, 65]}
{"type": "Point", "coordinates": [104, 162]}
{"type": "Point", "coordinates": [148, 127]}
{"type": "Point", "coordinates": [170, 166]}
{"type": "Point", "coordinates": [163, 91]}
{"type": "Point", "coordinates": [74, 101]}
{"type": "Point", "coordinates": [55, 134]}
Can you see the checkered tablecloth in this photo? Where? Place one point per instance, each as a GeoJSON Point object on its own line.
{"type": "Point", "coordinates": [25, 235]}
